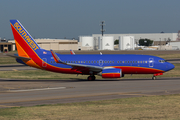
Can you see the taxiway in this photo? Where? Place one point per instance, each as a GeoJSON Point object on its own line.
{"type": "Point", "coordinates": [15, 93]}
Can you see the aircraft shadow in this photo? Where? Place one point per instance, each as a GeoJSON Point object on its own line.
{"type": "Point", "coordinates": [83, 80]}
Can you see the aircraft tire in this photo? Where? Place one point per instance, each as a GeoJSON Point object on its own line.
{"type": "Point", "coordinates": [94, 78]}
{"type": "Point", "coordinates": [154, 77]}
{"type": "Point", "coordinates": [91, 78]}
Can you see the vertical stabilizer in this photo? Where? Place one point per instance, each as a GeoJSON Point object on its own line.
{"type": "Point", "coordinates": [23, 39]}
{"type": "Point", "coordinates": [26, 45]}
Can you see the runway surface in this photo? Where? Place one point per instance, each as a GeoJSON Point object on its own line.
{"type": "Point", "coordinates": [15, 93]}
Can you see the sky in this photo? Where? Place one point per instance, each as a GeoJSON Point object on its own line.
{"type": "Point", "coordinates": [72, 18]}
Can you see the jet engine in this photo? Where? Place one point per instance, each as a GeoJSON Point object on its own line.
{"type": "Point", "coordinates": [111, 73]}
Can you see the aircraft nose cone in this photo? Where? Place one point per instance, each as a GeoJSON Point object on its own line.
{"type": "Point", "coordinates": [171, 66]}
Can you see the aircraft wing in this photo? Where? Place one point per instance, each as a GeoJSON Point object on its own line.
{"type": "Point", "coordinates": [79, 67]}
{"type": "Point", "coordinates": [18, 57]}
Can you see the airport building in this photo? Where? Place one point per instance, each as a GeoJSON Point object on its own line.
{"type": "Point", "coordinates": [97, 42]}
{"type": "Point", "coordinates": [5, 45]}
{"type": "Point", "coordinates": [165, 41]}
{"type": "Point", "coordinates": [151, 36]}
{"type": "Point", "coordinates": [57, 44]}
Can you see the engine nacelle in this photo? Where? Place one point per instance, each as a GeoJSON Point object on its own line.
{"type": "Point", "coordinates": [111, 73]}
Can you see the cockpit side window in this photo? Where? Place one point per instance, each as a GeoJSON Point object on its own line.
{"type": "Point", "coordinates": [162, 61]}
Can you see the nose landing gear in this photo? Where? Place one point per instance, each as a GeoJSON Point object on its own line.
{"type": "Point", "coordinates": [154, 77]}
{"type": "Point", "coordinates": [157, 74]}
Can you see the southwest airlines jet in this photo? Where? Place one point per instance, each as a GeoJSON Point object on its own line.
{"type": "Point", "coordinates": [108, 66]}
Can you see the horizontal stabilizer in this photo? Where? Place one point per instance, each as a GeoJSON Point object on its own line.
{"type": "Point", "coordinates": [18, 57]}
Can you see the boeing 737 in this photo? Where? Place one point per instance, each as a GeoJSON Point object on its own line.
{"type": "Point", "coordinates": [108, 66]}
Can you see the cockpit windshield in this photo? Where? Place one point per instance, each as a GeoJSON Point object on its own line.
{"type": "Point", "coordinates": [162, 61]}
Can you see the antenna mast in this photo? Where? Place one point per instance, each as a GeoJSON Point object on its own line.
{"type": "Point", "coordinates": [102, 25]}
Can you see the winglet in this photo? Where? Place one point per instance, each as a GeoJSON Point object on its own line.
{"type": "Point", "coordinates": [72, 52]}
{"type": "Point", "coordinates": [56, 58]}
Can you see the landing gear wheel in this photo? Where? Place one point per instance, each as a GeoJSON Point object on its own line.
{"type": "Point", "coordinates": [154, 77]}
{"type": "Point", "coordinates": [90, 78]}
{"type": "Point", "coordinates": [93, 77]}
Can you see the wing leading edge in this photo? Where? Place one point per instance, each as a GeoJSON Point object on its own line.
{"type": "Point", "coordinates": [80, 67]}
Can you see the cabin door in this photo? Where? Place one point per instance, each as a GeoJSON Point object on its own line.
{"type": "Point", "coordinates": [151, 62]}
{"type": "Point", "coordinates": [100, 62]}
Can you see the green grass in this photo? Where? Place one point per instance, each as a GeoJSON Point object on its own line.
{"type": "Point", "coordinates": [139, 108]}
{"type": "Point", "coordinates": [39, 74]}
{"type": "Point", "coordinates": [7, 60]}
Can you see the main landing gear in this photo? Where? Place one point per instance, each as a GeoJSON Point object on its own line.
{"type": "Point", "coordinates": [90, 78]}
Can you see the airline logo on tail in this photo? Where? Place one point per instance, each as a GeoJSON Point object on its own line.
{"type": "Point", "coordinates": [25, 35]}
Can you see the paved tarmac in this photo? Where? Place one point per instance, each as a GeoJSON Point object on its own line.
{"type": "Point", "coordinates": [15, 93]}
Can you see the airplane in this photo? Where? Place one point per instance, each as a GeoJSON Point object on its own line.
{"type": "Point", "coordinates": [105, 65]}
